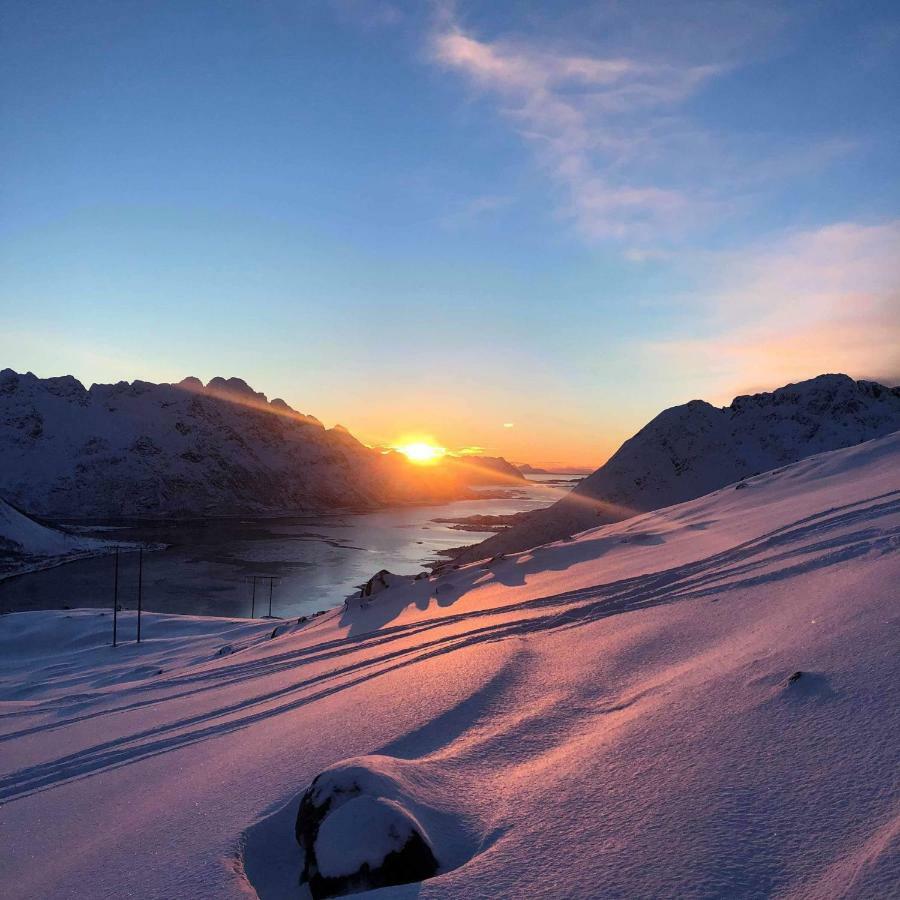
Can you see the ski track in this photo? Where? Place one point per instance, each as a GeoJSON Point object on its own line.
{"type": "Point", "coordinates": [813, 542]}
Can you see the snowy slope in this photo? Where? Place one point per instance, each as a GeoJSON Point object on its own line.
{"type": "Point", "coordinates": [690, 450]}
{"type": "Point", "coordinates": [156, 449]}
{"type": "Point", "coordinates": [26, 545]}
{"type": "Point", "coordinates": [611, 716]}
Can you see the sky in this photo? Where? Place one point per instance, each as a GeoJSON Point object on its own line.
{"type": "Point", "coordinates": [526, 227]}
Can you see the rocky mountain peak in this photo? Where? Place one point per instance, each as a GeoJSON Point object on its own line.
{"type": "Point", "coordinates": [696, 448]}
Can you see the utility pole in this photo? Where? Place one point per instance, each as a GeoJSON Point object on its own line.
{"type": "Point", "coordinates": [270, 595]}
{"type": "Point", "coordinates": [116, 599]}
{"type": "Point", "coordinates": [140, 589]}
{"type": "Point", "coordinates": [253, 600]}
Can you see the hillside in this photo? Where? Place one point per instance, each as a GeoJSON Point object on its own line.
{"type": "Point", "coordinates": [690, 450]}
{"type": "Point", "coordinates": [700, 701]}
{"type": "Point", "coordinates": [139, 449]}
{"type": "Point", "coordinates": [26, 545]}
{"type": "Point", "coordinates": [484, 470]}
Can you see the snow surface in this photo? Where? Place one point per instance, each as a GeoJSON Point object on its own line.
{"type": "Point", "coordinates": [607, 716]}
{"type": "Point", "coordinates": [690, 450]}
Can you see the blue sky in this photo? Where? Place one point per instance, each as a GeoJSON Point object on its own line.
{"type": "Point", "coordinates": [442, 219]}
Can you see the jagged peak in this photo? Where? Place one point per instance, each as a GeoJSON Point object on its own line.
{"type": "Point", "coordinates": [833, 382]}
{"type": "Point", "coordinates": [235, 386]}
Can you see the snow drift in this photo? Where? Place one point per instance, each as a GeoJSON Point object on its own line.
{"type": "Point", "coordinates": [690, 450]}
{"type": "Point", "coordinates": [616, 715]}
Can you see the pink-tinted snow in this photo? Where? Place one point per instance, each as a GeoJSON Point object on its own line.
{"type": "Point", "coordinates": [609, 716]}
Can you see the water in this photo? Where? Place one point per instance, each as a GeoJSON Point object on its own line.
{"type": "Point", "coordinates": [316, 561]}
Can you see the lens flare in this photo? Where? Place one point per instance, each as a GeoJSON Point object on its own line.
{"type": "Point", "coordinates": [421, 452]}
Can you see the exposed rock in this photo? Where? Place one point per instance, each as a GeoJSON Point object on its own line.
{"type": "Point", "coordinates": [381, 581]}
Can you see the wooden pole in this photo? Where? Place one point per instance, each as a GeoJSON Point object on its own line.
{"type": "Point", "coordinates": [140, 589]}
{"type": "Point", "coordinates": [116, 599]}
{"type": "Point", "coordinates": [253, 600]}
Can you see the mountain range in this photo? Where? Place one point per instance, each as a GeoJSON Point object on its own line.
{"type": "Point", "coordinates": [189, 449]}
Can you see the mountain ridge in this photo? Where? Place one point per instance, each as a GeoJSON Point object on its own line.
{"type": "Point", "coordinates": [144, 449]}
{"type": "Point", "coordinates": [689, 450]}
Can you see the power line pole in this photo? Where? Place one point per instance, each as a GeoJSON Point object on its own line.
{"type": "Point", "coordinates": [140, 589]}
{"type": "Point", "coordinates": [270, 595]}
{"type": "Point", "coordinates": [253, 600]}
{"type": "Point", "coordinates": [116, 599]}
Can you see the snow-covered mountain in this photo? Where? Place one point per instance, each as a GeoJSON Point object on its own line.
{"type": "Point", "coordinates": [690, 450]}
{"type": "Point", "coordinates": [697, 702]}
{"type": "Point", "coordinates": [138, 448]}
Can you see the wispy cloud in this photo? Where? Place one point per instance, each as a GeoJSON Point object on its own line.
{"type": "Point", "coordinates": [827, 299]}
{"type": "Point", "coordinates": [476, 208]}
{"type": "Point", "coordinates": [606, 113]}
{"type": "Point", "coordinates": [368, 13]}
{"type": "Point", "coordinates": [578, 111]}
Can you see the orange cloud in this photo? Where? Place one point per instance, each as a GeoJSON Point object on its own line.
{"type": "Point", "coordinates": [826, 300]}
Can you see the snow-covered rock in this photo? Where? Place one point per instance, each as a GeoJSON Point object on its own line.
{"type": "Point", "coordinates": [380, 581]}
{"type": "Point", "coordinates": [357, 834]}
{"type": "Point", "coordinates": [690, 450]}
{"type": "Point", "coordinates": [168, 449]}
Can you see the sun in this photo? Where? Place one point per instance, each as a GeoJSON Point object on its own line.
{"type": "Point", "coordinates": [422, 453]}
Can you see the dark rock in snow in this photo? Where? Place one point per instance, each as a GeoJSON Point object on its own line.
{"type": "Point", "coordinates": [355, 840]}
{"type": "Point", "coordinates": [380, 581]}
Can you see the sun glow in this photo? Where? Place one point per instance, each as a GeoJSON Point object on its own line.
{"type": "Point", "coordinates": [422, 453]}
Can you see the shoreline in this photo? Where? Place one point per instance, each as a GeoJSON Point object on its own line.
{"type": "Point", "coordinates": [318, 561]}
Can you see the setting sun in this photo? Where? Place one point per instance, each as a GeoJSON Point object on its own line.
{"type": "Point", "coordinates": [421, 452]}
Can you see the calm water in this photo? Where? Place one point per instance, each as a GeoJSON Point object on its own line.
{"type": "Point", "coordinates": [316, 562]}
